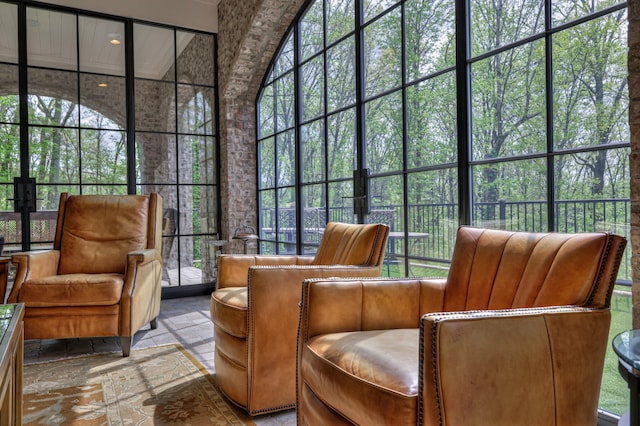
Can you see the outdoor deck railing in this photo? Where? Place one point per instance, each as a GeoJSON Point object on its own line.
{"type": "Point", "coordinates": [440, 222]}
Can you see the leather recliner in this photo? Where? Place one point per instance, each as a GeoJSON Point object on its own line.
{"type": "Point", "coordinates": [103, 275]}
{"type": "Point", "coordinates": [255, 311]}
{"type": "Point", "coordinates": [516, 334]}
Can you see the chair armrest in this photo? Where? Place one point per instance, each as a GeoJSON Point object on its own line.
{"type": "Point", "coordinates": [141, 294]}
{"type": "Point", "coordinates": [274, 295]}
{"type": "Point", "coordinates": [233, 269]}
{"type": "Point", "coordinates": [140, 263]}
{"type": "Point", "coordinates": [33, 264]}
{"type": "Point", "coordinates": [474, 363]}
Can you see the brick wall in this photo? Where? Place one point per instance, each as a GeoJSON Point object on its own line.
{"type": "Point", "coordinates": [247, 41]}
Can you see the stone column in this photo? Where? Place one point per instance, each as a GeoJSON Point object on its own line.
{"type": "Point", "coordinates": [248, 39]}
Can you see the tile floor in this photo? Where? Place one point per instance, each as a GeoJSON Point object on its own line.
{"type": "Point", "coordinates": [185, 321]}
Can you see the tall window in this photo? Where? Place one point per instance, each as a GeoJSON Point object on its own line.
{"type": "Point", "coordinates": [380, 111]}
{"type": "Point", "coordinates": [94, 104]}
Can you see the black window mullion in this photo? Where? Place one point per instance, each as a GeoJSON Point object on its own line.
{"type": "Point", "coordinates": [297, 142]}
{"type": "Point", "coordinates": [463, 105]}
{"type": "Point", "coordinates": [130, 105]}
{"type": "Point", "coordinates": [549, 110]}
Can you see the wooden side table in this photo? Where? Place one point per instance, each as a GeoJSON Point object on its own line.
{"type": "Point", "coordinates": [11, 361]}
{"type": "Point", "coordinates": [4, 275]}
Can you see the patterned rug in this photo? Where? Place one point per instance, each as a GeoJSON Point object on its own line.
{"type": "Point", "coordinates": [163, 385]}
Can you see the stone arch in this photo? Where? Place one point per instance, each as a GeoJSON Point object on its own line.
{"type": "Point", "coordinates": [248, 39]}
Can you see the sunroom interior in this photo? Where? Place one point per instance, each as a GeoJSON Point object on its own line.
{"type": "Point", "coordinates": [281, 116]}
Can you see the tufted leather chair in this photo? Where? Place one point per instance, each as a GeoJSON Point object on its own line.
{"type": "Point", "coordinates": [103, 275]}
{"type": "Point", "coordinates": [255, 312]}
{"type": "Point", "coordinates": [516, 334]}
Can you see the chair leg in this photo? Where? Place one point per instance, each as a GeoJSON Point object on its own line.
{"type": "Point", "coordinates": [154, 323]}
{"type": "Point", "coordinates": [125, 341]}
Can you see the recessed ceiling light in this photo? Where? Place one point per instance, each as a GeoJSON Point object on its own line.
{"type": "Point", "coordinates": [114, 38]}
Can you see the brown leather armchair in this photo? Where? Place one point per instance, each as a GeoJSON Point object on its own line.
{"type": "Point", "coordinates": [516, 334]}
{"type": "Point", "coordinates": [255, 312]}
{"type": "Point", "coordinates": [103, 275]}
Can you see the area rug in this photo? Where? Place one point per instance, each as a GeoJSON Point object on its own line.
{"type": "Point", "coordinates": [162, 385]}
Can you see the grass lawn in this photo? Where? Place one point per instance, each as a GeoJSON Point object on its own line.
{"type": "Point", "coordinates": [614, 394]}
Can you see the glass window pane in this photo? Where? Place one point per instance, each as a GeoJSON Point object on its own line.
{"type": "Point", "coordinates": [154, 106]}
{"type": "Point", "coordinates": [190, 153]}
{"type": "Point", "coordinates": [104, 156]}
{"type": "Point", "coordinates": [497, 24]}
{"type": "Point", "coordinates": [102, 102]}
{"type": "Point", "coordinates": [51, 39]}
{"type": "Point", "coordinates": [311, 29]}
{"type": "Point", "coordinates": [265, 112]}
{"type": "Point", "coordinates": [340, 18]}
{"type": "Point", "coordinates": [313, 152]}
{"type": "Point", "coordinates": [341, 202]}
{"type": "Point", "coordinates": [387, 201]}
{"type": "Point", "coordinates": [511, 195]}
{"type": "Point", "coordinates": [195, 114]}
{"type": "Point", "coordinates": [341, 77]}
{"type": "Point", "coordinates": [156, 158]}
{"type": "Point", "coordinates": [314, 213]}
{"type": "Point", "coordinates": [285, 113]}
{"type": "Point", "coordinates": [508, 108]}
{"type": "Point", "coordinates": [267, 202]}
{"type": "Point", "coordinates": [433, 210]}
{"type": "Point", "coordinates": [54, 156]}
{"type": "Point", "coordinates": [286, 152]}
{"type": "Point", "coordinates": [432, 122]}
{"type": "Point", "coordinates": [53, 104]}
{"type": "Point", "coordinates": [284, 60]}
{"type": "Point", "coordinates": [286, 215]}
{"type": "Point", "coordinates": [9, 25]}
{"type": "Point", "coordinates": [101, 46]}
{"type": "Point", "coordinates": [191, 252]}
{"type": "Point", "coordinates": [591, 96]}
{"type": "Point", "coordinates": [430, 36]}
{"type": "Point", "coordinates": [383, 134]}
{"type": "Point", "coordinates": [341, 145]}
{"type": "Point", "coordinates": [266, 163]}
{"type": "Point", "coordinates": [9, 109]}
{"type": "Point", "coordinates": [312, 82]}
{"type": "Point", "coordinates": [154, 52]}
{"type": "Point", "coordinates": [373, 8]}
{"type": "Point", "coordinates": [195, 58]}
{"type": "Point", "coordinates": [594, 175]}
{"type": "Point", "coordinates": [10, 154]}
{"type": "Point", "coordinates": [563, 11]}
{"type": "Point", "coordinates": [383, 54]}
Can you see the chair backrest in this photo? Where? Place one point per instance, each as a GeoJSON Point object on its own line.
{"type": "Point", "coordinates": [352, 244]}
{"type": "Point", "coordinates": [493, 269]}
{"type": "Point", "coordinates": [94, 233]}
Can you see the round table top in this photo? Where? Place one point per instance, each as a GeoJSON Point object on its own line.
{"type": "Point", "coordinates": [627, 346]}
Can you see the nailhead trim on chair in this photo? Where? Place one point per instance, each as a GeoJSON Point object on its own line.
{"type": "Point", "coordinates": [603, 262]}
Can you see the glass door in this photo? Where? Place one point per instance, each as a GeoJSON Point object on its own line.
{"type": "Point", "coordinates": [77, 116]}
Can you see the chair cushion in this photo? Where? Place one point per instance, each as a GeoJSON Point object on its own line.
{"type": "Point", "coordinates": [72, 290]}
{"type": "Point", "coordinates": [99, 231]}
{"type": "Point", "coordinates": [229, 310]}
{"type": "Point", "coordinates": [370, 377]}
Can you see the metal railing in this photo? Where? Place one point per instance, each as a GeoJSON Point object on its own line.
{"type": "Point", "coordinates": [440, 222]}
